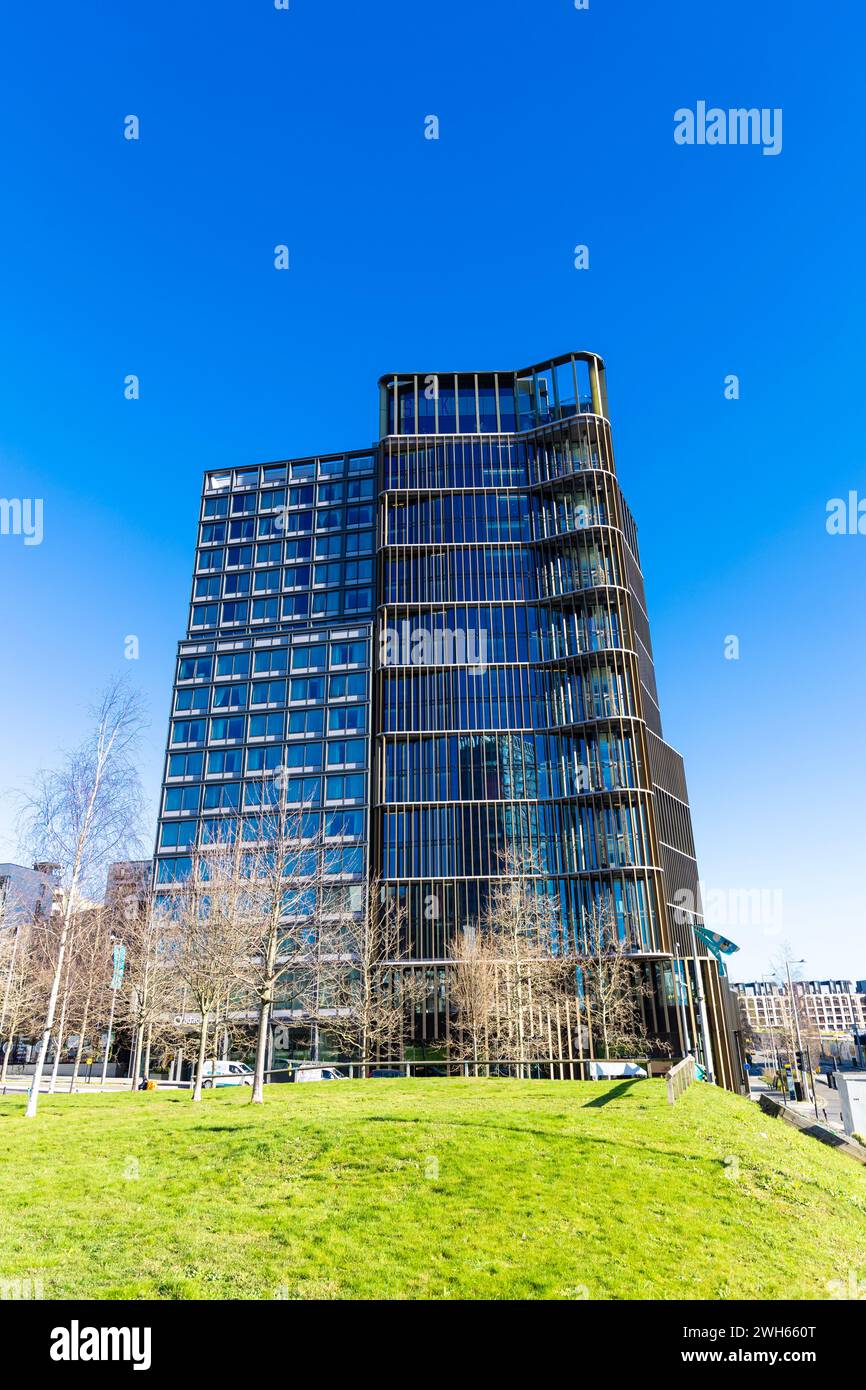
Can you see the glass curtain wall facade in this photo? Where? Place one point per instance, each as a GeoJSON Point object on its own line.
{"type": "Point", "coordinates": [452, 656]}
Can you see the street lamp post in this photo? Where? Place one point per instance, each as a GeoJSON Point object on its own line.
{"type": "Point", "coordinates": [796, 1019]}
{"type": "Point", "coordinates": [118, 961]}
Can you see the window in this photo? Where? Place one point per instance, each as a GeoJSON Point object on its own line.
{"type": "Point", "coordinates": [346, 753]}
{"type": "Point", "coordinates": [296, 606]}
{"type": "Point", "coordinates": [329, 574]}
{"type": "Point", "coordinates": [213, 533]}
{"type": "Point", "coordinates": [188, 731]}
{"type": "Point", "coordinates": [182, 799]}
{"type": "Point", "coordinates": [348, 654]}
{"type": "Point", "coordinates": [357, 600]}
{"type": "Point", "coordinates": [204, 615]}
{"type": "Point", "coordinates": [359, 543]}
{"type": "Point", "coordinates": [359, 516]}
{"type": "Point", "coordinates": [327, 601]}
{"type": "Point", "coordinates": [225, 760]}
{"type": "Point", "coordinates": [216, 507]}
{"type": "Point", "coordinates": [329, 492]}
{"type": "Point", "coordinates": [242, 530]}
{"type": "Point", "coordinates": [266, 725]}
{"type": "Point", "coordinates": [348, 788]}
{"type": "Point", "coordinates": [265, 610]}
{"type": "Point", "coordinates": [329, 520]}
{"type": "Point", "coordinates": [177, 834]}
{"type": "Point", "coordinates": [226, 729]}
{"type": "Point", "coordinates": [236, 664]}
{"type": "Point", "coordinates": [210, 559]}
{"type": "Point", "coordinates": [353, 687]}
{"type": "Point", "coordinates": [359, 571]}
{"type": "Point", "coordinates": [347, 719]}
{"type": "Point", "coordinates": [269, 553]}
{"type": "Point", "coordinates": [194, 698]}
{"type": "Point", "coordinates": [223, 796]}
{"type": "Point", "coordinates": [298, 577]}
{"type": "Point", "coordinates": [237, 584]}
{"type": "Point", "coordinates": [269, 693]}
{"type": "Point", "coordinates": [344, 823]}
{"type": "Point", "coordinates": [173, 870]}
{"type": "Point", "coordinates": [185, 764]}
{"type": "Point", "coordinates": [312, 688]}
{"type": "Point", "coordinates": [239, 555]}
{"type": "Point", "coordinates": [235, 612]}
{"type": "Point", "coordinates": [264, 760]}
{"type": "Point", "coordinates": [276, 497]}
{"type": "Point", "coordinates": [230, 697]}
{"type": "Point", "coordinates": [331, 468]}
{"type": "Point", "coordinates": [270, 661]}
{"type": "Point", "coordinates": [267, 581]}
{"type": "Point", "coordinates": [244, 505]}
{"type": "Point", "coordinates": [310, 721]}
{"type": "Point", "coordinates": [300, 549]}
{"type": "Point", "coordinates": [360, 489]}
{"type": "Point", "coordinates": [304, 755]}
{"type": "Point", "coordinates": [303, 791]}
{"type": "Point", "coordinates": [195, 668]}
{"type": "Point", "coordinates": [328, 546]}
{"type": "Point", "coordinates": [309, 658]}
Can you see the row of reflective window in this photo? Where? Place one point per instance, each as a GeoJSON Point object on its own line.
{"type": "Point", "coordinates": [503, 697]}
{"type": "Point", "coordinates": [464, 840]}
{"type": "Point", "coordinates": [282, 524]}
{"type": "Point", "coordinates": [242, 504]}
{"type": "Point", "coordinates": [293, 470]}
{"type": "Point", "coordinates": [275, 660]}
{"type": "Point", "coordinates": [470, 463]}
{"type": "Point", "coordinates": [499, 766]}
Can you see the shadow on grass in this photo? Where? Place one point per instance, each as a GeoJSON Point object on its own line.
{"type": "Point", "coordinates": [616, 1094]}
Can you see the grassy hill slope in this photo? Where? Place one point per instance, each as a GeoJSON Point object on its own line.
{"type": "Point", "coordinates": [424, 1189]}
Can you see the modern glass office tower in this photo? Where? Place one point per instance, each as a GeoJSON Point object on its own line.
{"type": "Point", "coordinates": [445, 641]}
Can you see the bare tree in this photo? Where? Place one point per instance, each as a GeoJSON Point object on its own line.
{"type": "Point", "coordinates": [612, 986]}
{"type": "Point", "coordinates": [91, 974]}
{"type": "Point", "coordinates": [284, 870]}
{"type": "Point", "coordinates": [472, 989]}
{"type": "Point", "coordinates": [520, 927]}
{"type": "Point", "coordinates": [206, 920]}
{"type": "Point", "coordinates": [22, 975]}
{"type": "Point", "coordinates": [82, 815]}
{"type": "Point", "coordinates": [370, 986]}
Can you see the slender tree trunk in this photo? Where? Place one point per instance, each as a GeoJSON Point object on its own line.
{"type": "Point", "coordinates": [81, 1037]}
{"type": "Point", "coordinates": [33, 1098]}
{"type": "Point", "coordinates": [61, 1032]}
{"type": "Point", "coordinates": [136, 1056]}
{"type": "Point", "coordinates": [9, 977]}
{"type": "Point", "coordinates": [6, 1055]}
{"type": "Point", "coordinates": [258, 1095]}
{"type": "Point", "coordinates": [146, 1071]}
{"type": "Point", "coordinates": [199, 1066]}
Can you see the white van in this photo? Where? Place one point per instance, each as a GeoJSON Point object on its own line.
{"type": "Point", "coordinates": [226, 1074]}
{"type": "Point", "coordinates": [306, 1072]}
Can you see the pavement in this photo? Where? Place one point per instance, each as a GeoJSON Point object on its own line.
{"type": "Point", "coordinates": [828, 1102]}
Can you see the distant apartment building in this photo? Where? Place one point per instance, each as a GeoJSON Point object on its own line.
{"type": "Point", "coordinates": [127, 886]}
{"type": "Point", "coordinates": [833, 1006]}
{"type": "Point", "coordinates": [29, 894]}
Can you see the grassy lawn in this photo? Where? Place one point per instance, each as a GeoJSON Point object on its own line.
{"type": "Point", "coordinates": [424, 1189]}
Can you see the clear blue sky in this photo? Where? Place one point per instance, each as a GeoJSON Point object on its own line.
{"type": "Point", "coordinates": [305, 127]}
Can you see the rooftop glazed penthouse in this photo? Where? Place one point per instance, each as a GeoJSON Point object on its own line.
{"type": "Point", "coordinates": [444, 640]}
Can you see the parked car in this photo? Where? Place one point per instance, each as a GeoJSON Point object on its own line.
{"type": "Point", "coordinates": [226, 1074]}
{"type": "Point", "coordinates": [315, 1073]}
{"type": "Point", "coordinates": [385, 1073]}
